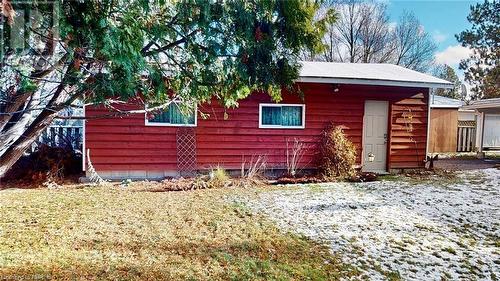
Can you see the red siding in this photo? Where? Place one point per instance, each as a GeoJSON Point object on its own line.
{"type": "Point", "coordinates": [125, 143]}
{"type": "Point", "coordinates": [408, 148]}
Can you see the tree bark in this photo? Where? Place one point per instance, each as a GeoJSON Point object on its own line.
{"type": "Point", "coordinates": [59, 101]}
{"type": "Point", "coordinates": [16, 129]}
{"type": "Point", "coordinates": [16, 150]}
{"type": "Point", "coordinates": [14, 103]}
{"type": "Point", "coordinates": [17, 98]}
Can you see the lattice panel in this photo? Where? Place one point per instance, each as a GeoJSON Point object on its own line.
{"type": "Point", "coordinates": [470, 123]}
{"type": "Point", "coordinates": [186, 151]}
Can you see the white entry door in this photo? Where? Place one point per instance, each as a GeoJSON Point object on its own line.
{"type": "Point", "coordinates": [375, 136]}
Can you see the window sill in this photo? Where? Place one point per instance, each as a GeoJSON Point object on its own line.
{"type": "Point", "coordinates": [280, 127]}
{"type": "Point", "coordinates": [168, 125]}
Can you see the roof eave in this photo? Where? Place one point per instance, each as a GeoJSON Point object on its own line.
{"type": "Point", "coordinates": [374, 82]}
{"type": "Point", "coordinates": [481, 106]}
{"type": "Point", "coordinates": [446, 106]}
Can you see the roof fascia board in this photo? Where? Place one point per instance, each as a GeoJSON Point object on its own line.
{"type": "Point", "coordinates": [373, 82]}
{"type": "Point", "coordinates": [481, 106]}
{"type": "Point", "coordinates": [445, 106]}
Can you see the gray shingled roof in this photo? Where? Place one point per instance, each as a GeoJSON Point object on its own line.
{"type": "Point", "coordinates": [486, 103]}
{"type": "Point", "coordinates": [444, 102]}
{"type": "Point", "coordinates": [368, 74]}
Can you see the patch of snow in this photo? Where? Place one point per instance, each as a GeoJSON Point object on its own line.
{"type": "Point", "coordinates": [419, 231]}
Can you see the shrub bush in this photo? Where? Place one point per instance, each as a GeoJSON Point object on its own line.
{"type": "Point", "coordinates": [219, 177]}
{"type": "Point", "coordinates": [256, 167]}
{"type": "Point", "coordinates": [337, 154]}
{"type": "Point", "coordinates": [46, 163]}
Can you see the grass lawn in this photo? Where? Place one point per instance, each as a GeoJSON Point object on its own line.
{"type": "Point", "coordinates": [112, 233]}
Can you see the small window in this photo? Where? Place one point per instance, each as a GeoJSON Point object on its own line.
{"type": "Point", "coordinates": [173, 115]}
{"type": "Point", "coordinates": [282, 116]}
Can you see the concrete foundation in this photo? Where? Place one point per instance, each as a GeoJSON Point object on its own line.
{"type": "Point", "coordinates": [137, 175]}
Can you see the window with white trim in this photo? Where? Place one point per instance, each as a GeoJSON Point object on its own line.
{"type": "Point", "coordinates": [282, 116]}
{"type": "Point", "coordinates": [175, 114]}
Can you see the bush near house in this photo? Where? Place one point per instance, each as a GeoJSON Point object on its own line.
{"type": "Point", "coordinates": [46, 163]}
{"type": "Point", "coordinates": [337, 154]}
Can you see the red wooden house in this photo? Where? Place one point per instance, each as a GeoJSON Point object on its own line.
{"type": "Point", "coordinates": [384, 109]}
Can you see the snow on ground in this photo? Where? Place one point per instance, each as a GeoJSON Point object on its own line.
{"type": "Point", "coordinates": [430, 230]}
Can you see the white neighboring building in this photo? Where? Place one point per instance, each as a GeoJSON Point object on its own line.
{"type": "Point", "coordinates": [488, 123]}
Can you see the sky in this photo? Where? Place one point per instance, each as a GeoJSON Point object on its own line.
{"type": "Point", "coordinates": [442, 20]}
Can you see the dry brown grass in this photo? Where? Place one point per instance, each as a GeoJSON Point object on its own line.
{"type": "Point", "coordinates": [111, 233]}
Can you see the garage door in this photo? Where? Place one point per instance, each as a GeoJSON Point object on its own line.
{"type": "Point", "coordinates": [491, 138]}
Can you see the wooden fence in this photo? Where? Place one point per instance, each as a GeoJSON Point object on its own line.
{"type": "Point", "coordinates": [466, 136]}
{"type": "Point", "coordinates": [61, 136]}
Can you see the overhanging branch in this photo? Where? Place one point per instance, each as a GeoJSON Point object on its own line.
{"type": "Point", "coordinates": [168, 46]}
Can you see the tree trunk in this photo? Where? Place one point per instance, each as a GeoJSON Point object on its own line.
{"type": "Point", "coordinates": [11, 133]}
{"type": "Point", "coordinates": [14, 103]}
{"type": "Point", "coordinates": [16, 150]}
{"type": "Point", "coordinates": [9, 136]}
{"type": "Point", "coordinates": [13, 152]}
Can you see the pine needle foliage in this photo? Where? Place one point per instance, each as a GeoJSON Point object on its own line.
{"type": "Point", "coordinates": [482, 67]}
{"type": "Point", "coordinates": [195, 49]}
{"type": "Point", "coordinates": [154, 51]}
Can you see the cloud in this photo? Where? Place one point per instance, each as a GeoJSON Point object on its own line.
{"type": "Point", "coordinates": [452, 55]}
{"type": "Point", "coordinates": [438, 36]}
{"type": "Point", "coordinates": [392, 25]}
